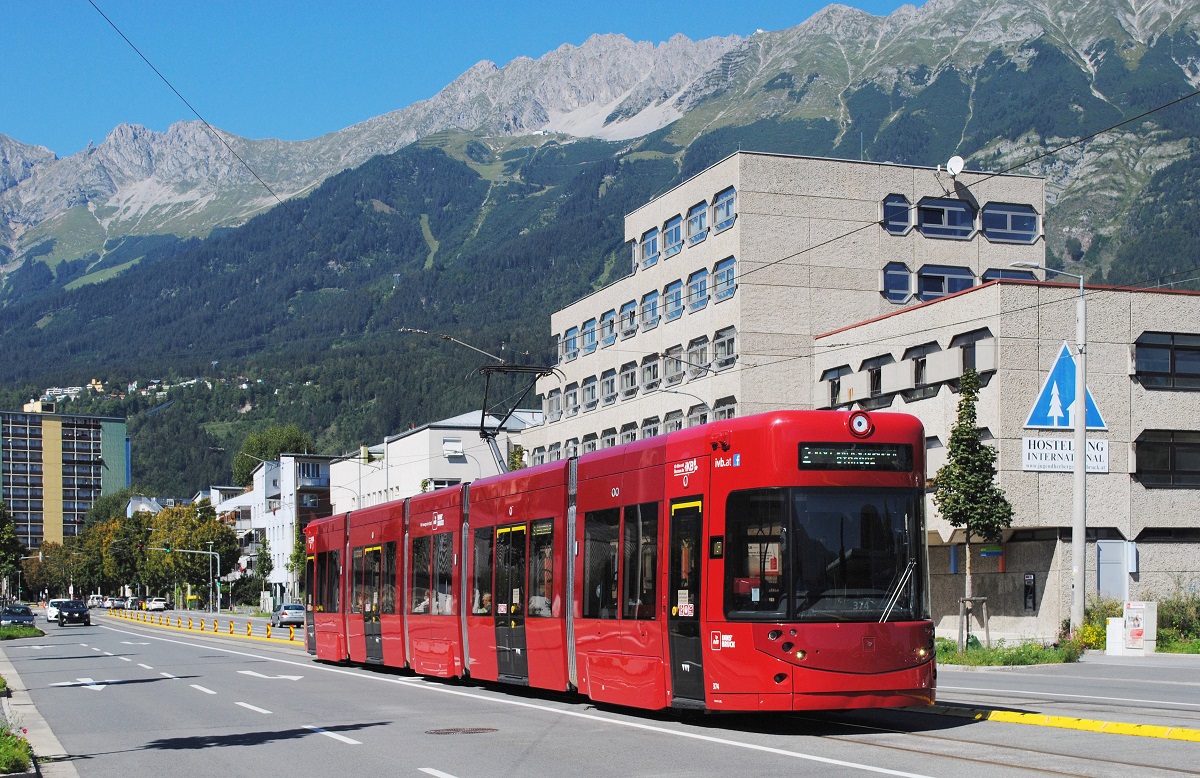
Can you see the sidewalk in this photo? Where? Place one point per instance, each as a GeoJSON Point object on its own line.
{"type": "Point", "coordinates": [52, 759]}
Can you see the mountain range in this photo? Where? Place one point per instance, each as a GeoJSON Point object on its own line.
{"type": "Point", "coordinates": [464, 212]}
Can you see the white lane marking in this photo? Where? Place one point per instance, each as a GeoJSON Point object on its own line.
{"type": "Point", "coordinates": [108, 653]}
{"type": "Point", "coordinates": [271, 677]}
{"type": "Point", "coordinates": [85, 645]}
{"type": "Point", "coordinates": [145, 667]}
{"type": "Point", "coordinates": [1068, 696]}
{"type": "Point", "coordinates": [254, 708]}
{"type": "Point", "coordinates": [201, 688]}
{"type": "Point", "coordinates": [333, 735]}
{"type": "Point", "coordinates": [132, 643]}
{"type": "Point", "coordinates": [435, 773]}
{"type": "Point", "coordinates": [543, 708]}
{"type": "Point", "coordinates": [168, 675]}
{"type": "Point", "coordinates": [96, 650]}
{"type": "Point", "coordinates": [124, 659]}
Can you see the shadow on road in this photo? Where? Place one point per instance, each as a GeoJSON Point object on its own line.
{"type": "Point", "coordinates": [240, 739]}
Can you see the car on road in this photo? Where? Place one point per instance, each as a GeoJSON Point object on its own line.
{"type": "Point", "coordinates": [135, 604]}
{"type": "Point", "coordinates": [52, 609]}
{"type": "Point", "coordinates": [16, 616]}
{"type": "Point", "coordinates": [74, 612]}
{"type": "Point", "coordinates": [113, 602]}
{"type": "Point", "coordinates": [158, 604]}
{"type": "Point", "coordinates": [288, 613]}
{"type": "Point", "coordinates": [95, 601]}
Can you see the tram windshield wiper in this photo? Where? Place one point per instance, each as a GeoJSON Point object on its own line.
{"type": "Point", "coordinates": [894, 594]}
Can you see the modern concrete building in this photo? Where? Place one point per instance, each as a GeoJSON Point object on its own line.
{"type": "Point", "coordinates": [424, 458]}
{"type": "Point", "coordinates": [53, 466]}
{"type": "Point", "coordinates": [771, 281]}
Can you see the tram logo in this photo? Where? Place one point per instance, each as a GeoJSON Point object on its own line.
{"type": "Point", "coordinates": [685, 468]}
{"type": "Point", "coordinates": [439, 520]}
{"type": "Point", "coordinates": [717, 640]}
{"type": "Point", "coordinates": [733, 461]}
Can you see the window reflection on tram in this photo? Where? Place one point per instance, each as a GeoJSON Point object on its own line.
{"type": "Point", "coordinates": [825, 555]}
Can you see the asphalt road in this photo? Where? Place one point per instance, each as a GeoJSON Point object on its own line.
{"type": "Point", "coordinates": [127, 700]}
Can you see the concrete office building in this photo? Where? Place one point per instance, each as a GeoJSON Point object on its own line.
{"type": "Point", "coordinates": [53, 466]}
{"type": "Point", "coordinates": [771, 281]}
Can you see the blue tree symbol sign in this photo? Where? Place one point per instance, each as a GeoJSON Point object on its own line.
{"type": "Point", "coordinates": [1048, 412]}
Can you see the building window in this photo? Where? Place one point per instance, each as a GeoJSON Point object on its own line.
{"type": "Point", "coordinates": [673, 300]}
{"type": "Point", "coordinates": [896, 282]}
{"type": "Point", "coordinates": [650, 248]}
{"type": "Point", "coordinates": [649, 427]}
{"type": "Point", "coordinates": [934, 281]}
{"type": "Point", "coordinates": [571, 344]}
{"type": "Point", "coordinates": [628, 380]}
{"type": "Point", "coordinates": [725, 408]}
{"type": "Point", "coordinates": [697, 357]}
{"type": "Point", "coordinates": [966, 341]}
{"type": "Point", "coordinates": [571, 399]}
{"type": "Point", "coordinates": [697, 223]}
{"type": "Point", "coordinates": [724, 209]}
{"type": "Point", "coordinates": [650, 311]}
{"type": "Point", "coordinates": [921, 390]}
{"type": "Point", "coordinates": [698, 290]}
{"type": "Point", "coordinates": [608, 329]}
{"type": "Point", "coordinates": [1166, 360]}
{"type": "Point", "coordinates": [571, 449]}
{"type": "Point", "coordinates": [590, 443]}
{"type": "Point", "coordinates": [673, 365]}
{"type": "Point", "coordinates": [897, 214]}
{"type": "Point", "coordinates": [539, 455]}
{"type": "Point", "coordinates": [589, 336]}
{"type": "Point", "coordinates": [629, 433]}
{"type": "Point", "coordinates": [724, 279]}
{"type": "Point", "coordinates": [554, 453]}
{"type": "Point", "coordinates": [672, 236]}
{"type": "Point", "coordinates": [994, 274]}
{"type": "Point", "coordinates": [608, 438]}
{"type": "Point", "coordinates": [608, 387]}
{"type": "Point", "coordinates": [725, 348]}
{"type": "Point", "coordinates": [627, 320]}
{"type": "Point", "coordinates": [697, 415]}
{"type": "Point", "coordinates": [554, 405]}
{"type": "Point", "coordinates": [1005, 223]}
{"type": "Point", "coordinates": [944, 218]}
{"type": "Point", "coordinates": [1167, 459]}
{"type": "Point", "coordinates": [650, 375]}
{"type": "Point", "coordinates": [673, 422]}
{"type": "Point", "coordinates": [590, 400]}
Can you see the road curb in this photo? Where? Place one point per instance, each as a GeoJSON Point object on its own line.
{"type": "Point", "coordinates": [1067, 722]}
{"type": "Point", "coordinates": [198, 626]}
{"type": "Point", "coordinates": [51, 759]}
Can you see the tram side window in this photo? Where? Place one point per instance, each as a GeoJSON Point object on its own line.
{"type": "Point", "coordinates": [443, 571]}
{"type": "Point", "coordinates": [311, 597]}
{"type": "Point", "coordinates": [481, 583]}
{"type": "Point", "coordinates": [641, 560]}
{"type": "Point", "coordinates": [420, 575]}
{"type": "Point", "coordinates": [356, 571]}
{"type": "Point", "coordinates": [388, 584]}
{"type": "Point", "coordinates": [541, 568]}
{"type": "Point", "coordinates": [754, 552]}
{"type": "Point", "coordinates": [331, 568]}
{"type": "Point", "coordinates": [600, 533]}
{"type": "Point", "coordinates": [371, 573]}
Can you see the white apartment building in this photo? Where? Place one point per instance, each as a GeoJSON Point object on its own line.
{"type": "Point", "coordinates": [770, 281]}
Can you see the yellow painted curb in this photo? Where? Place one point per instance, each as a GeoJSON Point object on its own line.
{"type": "Point", "coordinates": [138, 619]}
{"type": "Point", "coordinates": [1066, 722]}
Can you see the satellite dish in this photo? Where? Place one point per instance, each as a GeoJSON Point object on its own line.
{"type": "Point", "coordinates": [954, 166]}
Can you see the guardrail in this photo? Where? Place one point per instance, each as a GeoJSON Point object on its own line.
{"type": "Point", "coordinates": [210, 625]}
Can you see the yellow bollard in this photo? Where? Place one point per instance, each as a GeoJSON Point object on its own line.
{"type": "Point", "coordinates": [216, 626]}
{"type": "Point", "coordinates": [231, 626]}
{"type": "Point", "coordinates": [268, 630]}
{"type": "Point", "coordinates": [178, 622]}
{"type": "Point", "coordinates": [248, 632]}
{"type": "Point", "coordinates": [189, 622]}
{"type": "Point", "coordinates": [291, 633]}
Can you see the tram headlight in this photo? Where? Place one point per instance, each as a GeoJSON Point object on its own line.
{"type": "Point", "coordinates": [860, 424]}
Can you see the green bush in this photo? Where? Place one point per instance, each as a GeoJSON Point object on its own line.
{"type": "Point", "coordinates": [16, 756]}
{"type": "Point", "coordinates": [11, 633]}
{"type": "Point", "coordinates": [1002, 654]}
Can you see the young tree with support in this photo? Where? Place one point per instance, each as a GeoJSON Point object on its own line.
{"type": "Point", "coordinates": [965, 490]}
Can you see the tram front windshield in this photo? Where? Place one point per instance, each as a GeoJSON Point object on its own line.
{"type": "Point", "coordinates": [799, 554]}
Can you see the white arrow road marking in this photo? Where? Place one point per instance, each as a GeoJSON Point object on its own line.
{"type": "Point", "coordinates": [201, 688]}
{"type": "Point", "coordinates": [333, 735]}
{"type": "Point", "coordinates": [39, 648]}
{"type": "Point", "coordinates": [252, 707]}
{"type": "Point", "coordinates": [86, 683]}
{"type": "Point", "coordinates": [271, 677]}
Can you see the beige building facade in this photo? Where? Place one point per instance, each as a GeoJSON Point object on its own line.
{"type": "Point", "coordinates": [771, 281]}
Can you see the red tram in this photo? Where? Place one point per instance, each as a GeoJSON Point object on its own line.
{"type": "Point", "coordinates": [772, 562]}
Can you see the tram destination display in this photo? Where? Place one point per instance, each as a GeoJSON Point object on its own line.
{"type": "Point", "coordinates": [889, 457]}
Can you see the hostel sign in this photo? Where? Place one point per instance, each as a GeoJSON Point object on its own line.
{"type": "Point", "coordinates": [1057, 455]}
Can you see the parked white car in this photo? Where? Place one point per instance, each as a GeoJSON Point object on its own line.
{"type": "Point", "coordinates": [52, 609]}
{"type": "Point", "coordinates": [157, 604]}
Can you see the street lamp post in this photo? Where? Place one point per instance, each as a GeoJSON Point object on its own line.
{"type": "Point", "coordinates": [1079, 512]}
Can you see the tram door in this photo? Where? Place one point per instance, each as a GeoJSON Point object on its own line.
{"type": "Point", "coordinates": [310, 609]}
{"type": "Point", "coordinates": [683, 615]}
{"type": "Point", "coordinates": [372, 629]}
{"type": "Point", "coordinates": [511, 657]}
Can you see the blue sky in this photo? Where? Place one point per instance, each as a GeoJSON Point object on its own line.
{"type": "Point", "coordinates": [301, 68]}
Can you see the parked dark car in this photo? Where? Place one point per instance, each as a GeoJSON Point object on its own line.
{"type": "Point", "coordinates": [16, 616]}
{"type": "Point", "coordinates": [288, 613]}
{"type": "Point", "coordinates": [74, 612]}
